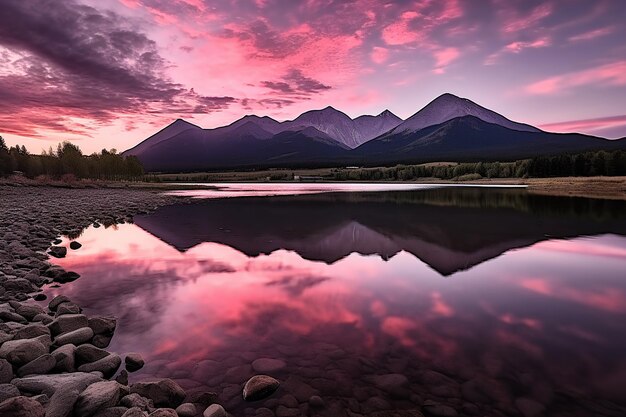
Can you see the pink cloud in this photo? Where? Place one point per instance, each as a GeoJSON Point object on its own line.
{"type": "Point", "coordinates": [515, 22]}
{"type": "Point", "coordinates": [609, 74]}
{"type": "Point", "coordinates": [444, 57]}
{"type": "Point", "coordinates": [592, 34]}
{"type": "Point", "coordinates": [601, 123]}
{"type": "Point", "coordinates": [399, 33]}
{"type": "Point", "coordinates": [379, 55]}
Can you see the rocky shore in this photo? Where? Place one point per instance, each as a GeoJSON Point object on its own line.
{"type": "Point", "coordinates": [53, 360]}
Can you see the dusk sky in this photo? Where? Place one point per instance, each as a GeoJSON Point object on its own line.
{"type": "Point", "coordinates": [108, 73]}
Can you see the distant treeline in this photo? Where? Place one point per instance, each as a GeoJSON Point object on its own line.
{"type": "Point", "coordinates": [580, 165]}
{"type": "Point", "coordinates": [68, 162]}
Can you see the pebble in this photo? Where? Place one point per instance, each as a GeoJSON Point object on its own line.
{"type": "Point", "coordinates": [214, 410]}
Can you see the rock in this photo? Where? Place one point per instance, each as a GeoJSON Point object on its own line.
{"type": "Point", "coordinates": [20, 285]}
{"type": "Point", "coordinates": [101, 341]}
{"type": "Point", "coordinates": [6, 371]}
{"type": "Point", "coordinates": [58, 251]}
{"type": "Point", "coordinates": [96, 397]}
{"type": "Point", "coordinates": [186, 410]}
{"type": "Point", "coordinates": [48, 384]}
{"type": "Point", "coordinates": [9, 316]}
{"type": "Point", "coordinates": [282, 411]}
{"type": "Point", "coordinates": [75, 245]}
{"type": "Point", "coordinates": [29, 311]}
{"type": "Point", "coordinates": [397, 413]}
{"type": "Point", "coordinates": [529, 407]}
{"type": "Point", "coordinates": [66, 277]}
{"type": "Point", "coordinates": [40, 297]}
{"type": "Point", "coordinates": [89, 353]}
{"type": "Point", "coordinates": [31, 331]}
{"type": "Point", "coordinates": [75, 337]}
{"type": "Point", "coordinates": [268, 365]}
{"type": "Point", "coordinates": [316, 401]}
{"type": "Point", "coordinates": [122, 378]}
{"type": "Point", "coordinates": [134, 412]}
{"type": "Point", "coordinates": [259, 387]}
{"type": "Point", "coordinates": [8, 391]}
{"type": "Point", "coordinates": [43, 318]}
{"type": "Point", "coordinates": [56, 301]}
{"type": "Point", "coordinates": [439, 410]}
{"type": "Point", "coordinates": [20, 352]}
{"type": "Point", "coordinates": [134, 362]}
{"type": "Point", "coordinates": [111, 412]}
{"type": "Point", "coordinates": [214, 410]}
{"type": "Point", "coordinates": [65, 358]}
{"type": "Point", "coordinates": [21, 407]}
{"type": "Point", "coordinates": [163, 392]}
{"type": "Point", "coordinates": [107, 365]}
{"type": "Point", "coordinates": [68, 323]}
{"type": "Point", "coordinates": [136, 401]}
{"type": "Point", "coordinates": [42, 365]}
{"type": "Point", "coordinates": [390, 382]}
{"type": "Point", "coordinates": [163, 412]}
{"type": "Point", "coordinates": [62, 402]}
{"type": "Point", "coordinates": [103, 325]}
{"type": "Point", "coordinates": [67, 308]}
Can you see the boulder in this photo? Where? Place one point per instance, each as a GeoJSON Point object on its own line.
{"type": "Point", "coordinates": [48, 384]}
{"type": "Point", "coordinates": [6, 371]}
{"type": "Point", "coordinates": [43, 318]}
{"type": "Point", "coordinates": [75, 337]}
{"type": "Point", "coordinates": [162, 392]}
{"type": "Point", "coordinates": [68, 323]}
{"type": "Point", "coordinates": [101, 340]}
{"type": "Point", "coordinates": [67, 308]}
{"type": "Point", "coordinates": [31, 331]}
{"type": "Point", "coordinates": [163, 412]}
{"type": "Point", "coordinates": [111, 412]}
{"type": "Point", "coordinates": [96, 397]}
{"type": "Point", "coordinates": [58, 251]}
{"type": "Point", "coordinates": [89, 353]}
{"type": "Point", "coordinates": [75, 245]}
{"type": "Point", "coordinates": [136, 401]}
{"type": "Point", "coordinates": [103, 325]}
{"type": "Point", "coordinates": [66, 277]}
{"type": "Point", "coordinates": [259, 387]}
{"type": "Point", "coordinates": [20, 352]}
{"type": "Point", "coordinates": [62, 402]}
{"type": "Point", "coordinates": [215, 410]}
{"type": "Point", "coordinates": [65, 358]}
{"type": "Point", "coordinates": [21, 407]}
{"type": "Point", "coordinates": [8, 391]}
{"type": "Point", "coordinates": [107, 365]}
{"type": "Point", "coordinates": [56, 301]}
{"type": "Point", "coordinates": [134, 362]}
{"type": "Point", "coordinates": [42, 365]}
{"type": "Point", "coordinates": [186, 410]}
{"type": "Point", "coordinates": [29, 311]}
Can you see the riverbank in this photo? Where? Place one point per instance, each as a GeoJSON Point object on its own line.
{"type": "Point", "coordinates": [53, 358]}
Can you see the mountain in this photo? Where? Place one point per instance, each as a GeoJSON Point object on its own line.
{"type": "Point", "coordinates": [447, 107]}
{"type": "Point", "coordinates": [178, 126]}
{"type": "Point", "coordinates": [471, 138]}
{"type": "Point", "coordinates": [448, 128]}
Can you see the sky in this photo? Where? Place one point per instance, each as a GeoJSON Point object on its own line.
{"type": "Point", "coordinates": [109, 73]}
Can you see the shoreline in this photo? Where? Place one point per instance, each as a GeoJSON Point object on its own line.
{"type": "Point", "coordinates": [613, 188]}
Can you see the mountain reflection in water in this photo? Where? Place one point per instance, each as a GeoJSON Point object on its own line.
{"type": "Point", "coordinates": [345, 288]}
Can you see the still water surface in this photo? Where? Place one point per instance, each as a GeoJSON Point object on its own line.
{"type": "Point", "coordinates": [486, 300]}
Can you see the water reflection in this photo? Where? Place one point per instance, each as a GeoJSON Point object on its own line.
{"type": "Point", "coordinates": [346, 287]}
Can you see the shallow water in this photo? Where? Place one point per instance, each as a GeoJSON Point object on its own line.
{"type": "Point", "coordinates": [488, 297]}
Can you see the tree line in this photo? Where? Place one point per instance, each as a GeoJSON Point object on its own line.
{"type": "Point", "coordinates": [583, 164]}
{"type": "Point", "coordinates": [68, 162]}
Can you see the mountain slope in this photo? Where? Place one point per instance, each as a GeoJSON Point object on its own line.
{"type": "Point", "coordinates": [447, 107]}
{"type": "Point", "coordinates": [470, 138]}
{"type": "Point", "coordinates": [169, 131]}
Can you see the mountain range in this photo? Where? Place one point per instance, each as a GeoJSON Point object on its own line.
{"type": "Point", "coordinates": [448, 128]}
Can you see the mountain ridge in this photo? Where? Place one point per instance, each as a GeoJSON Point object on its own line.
{"type": "Point", "coordinates": [448, 127]}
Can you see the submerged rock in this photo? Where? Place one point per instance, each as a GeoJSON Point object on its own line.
{"type": "Point", "coordinates": [163, 392]}
{"type": "Point", "coordinates": [214, 410]}
{"type": "Point", "coordinates": [259, 387]}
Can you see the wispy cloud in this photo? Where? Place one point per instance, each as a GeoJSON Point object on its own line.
{"type": "Point", "coordinates": [608, 74]}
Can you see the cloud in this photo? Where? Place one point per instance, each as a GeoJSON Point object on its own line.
{"type": "Point", "coordinates": [608, 74]}
{"type": "Point", "coordinates": [444, 57]}
{"type": "Point", "coordinates": [379, 55]}
{"type": "Point", "coordinates": [592, 34]}
{"type": "Point", "coordinates": [518, 47]}
{"type": "Point", "coordinates": [588, 125]}
{"type": "Point", "coordinates": [75, 63]}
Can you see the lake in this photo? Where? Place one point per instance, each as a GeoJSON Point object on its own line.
{"type": "Point", "coordinates": [484, 301]}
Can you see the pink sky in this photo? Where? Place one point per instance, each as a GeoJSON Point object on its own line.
{"type": "Point", "coordinates": [108, 73]}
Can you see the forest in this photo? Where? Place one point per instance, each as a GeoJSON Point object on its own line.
{"type": "Point", "coordinates": [68, 162]}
